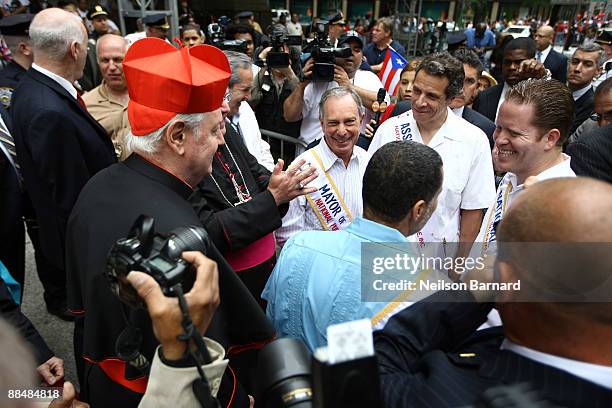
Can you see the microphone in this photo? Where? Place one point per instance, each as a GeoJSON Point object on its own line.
{"type": "Point", "coordinates": [379, 106]}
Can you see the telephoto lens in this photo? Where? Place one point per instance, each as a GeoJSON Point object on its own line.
{"type": "Point", "coordinates": [284, 375]}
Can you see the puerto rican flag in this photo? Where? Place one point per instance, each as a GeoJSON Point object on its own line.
{"type": "Point", "coordinates": [392, 70]}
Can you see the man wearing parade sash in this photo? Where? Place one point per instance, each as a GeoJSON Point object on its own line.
{"type": "Point", "coordinates": [468, 186]}
{"type": "Point", "coordinates": [340, 166]}
{"type": "Point", "coordinates": [321, 278]}
{"type": "Point", "coordinates": [532, 126]}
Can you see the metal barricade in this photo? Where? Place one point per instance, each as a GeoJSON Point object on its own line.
{"type": "Point", "coordinates": [268, 134]}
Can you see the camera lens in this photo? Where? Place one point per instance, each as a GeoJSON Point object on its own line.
{"type": "Point", "coordinates": [284, 381]}
{"type": "Point", "coordinates": [187, 239]}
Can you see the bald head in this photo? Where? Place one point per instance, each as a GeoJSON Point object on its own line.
{"type": "Point", "coordinates": [52, 32]}
{"type": "Point", "coordinates": [544, 37]}
{"type": "Point", "coordinates": [556, 239]}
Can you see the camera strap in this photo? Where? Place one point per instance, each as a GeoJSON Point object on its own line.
{"type": "Point", "coordinates": [201, 356]}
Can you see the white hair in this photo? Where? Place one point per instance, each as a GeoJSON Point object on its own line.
{"type": "Point", "coordinates": [53, 40]}
{"type": "Point", "coordinates": [149, 144]}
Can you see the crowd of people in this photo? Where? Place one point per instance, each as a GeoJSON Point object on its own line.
{"type": "Point", "coordinates": [97, 129]}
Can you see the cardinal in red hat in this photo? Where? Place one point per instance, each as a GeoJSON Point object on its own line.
{"type": "Point", "coordinates": [175, 116]}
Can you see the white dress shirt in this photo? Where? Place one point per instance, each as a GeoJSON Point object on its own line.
{"type": "Point", "coordinates": [348, 180]}
{"type": "Point", "coordinates": [468, 169]}
{"type": "Point", "coordinates": [545, 54]}
{"type": "Point", "coordinates": [595, 373]}
{"type": "Point", "coordinates": [60, 80]}
{"type": "Point", "coordinates": [580, 92]}
{"type": "Point", "coordinates": [502, 98]}
{"type": "Point", "coordinates": [246, 124]}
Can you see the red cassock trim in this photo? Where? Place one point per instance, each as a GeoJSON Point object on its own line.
{"type": "Point", "coordinates": [114, 368]}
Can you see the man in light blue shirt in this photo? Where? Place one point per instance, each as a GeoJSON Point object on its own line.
{"type": "Point", "coordinates": [317, 280]}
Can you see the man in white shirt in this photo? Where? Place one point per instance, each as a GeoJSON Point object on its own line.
{"type": "Point", "coordinates": [241, 115]}
{"type": "Point", "coordinates": [468, 185]}
{"type": "Point", "coordinates": [303, 103]}
{"type": "Point", "coordinates": [340, 167]}
{"type": "Point", "coordinates": [528, 142]}
{"type": "Point", "coordinates": [294, 27]}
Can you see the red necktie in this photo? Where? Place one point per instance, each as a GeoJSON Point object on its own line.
{"type": "Point", "coordinates": [81, 102]}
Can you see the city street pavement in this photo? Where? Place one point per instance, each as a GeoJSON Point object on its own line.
{"type": "Point", "coordinates": [57, 333]}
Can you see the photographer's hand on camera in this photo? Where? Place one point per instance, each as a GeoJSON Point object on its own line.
{"type": "Point", "coordinates": [341, 77]}
{"type": "Point", "coordinates": [165, 312]}
{"type": "Point", "coordinates": [292, 108]}
{"type": "Point", "coordinates": [289, 184]}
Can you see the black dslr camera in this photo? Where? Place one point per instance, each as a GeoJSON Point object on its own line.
{"type": "Point", "coordinates": [277, 57]}
{"type": "Point", "coordinates": [158, 255]}
{"type": "Point", "coordinates": [324, 53]}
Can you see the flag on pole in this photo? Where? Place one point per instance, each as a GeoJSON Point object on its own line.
{"type": "Point", "coordinates": [392, 70]}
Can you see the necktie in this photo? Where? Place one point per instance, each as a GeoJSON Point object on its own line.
{"type": "Point", "coordinates": [81, 102]}
{"type": "Point", "coordinates": [539, 56]}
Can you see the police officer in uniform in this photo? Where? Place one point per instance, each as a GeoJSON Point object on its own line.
{"type": "Point", "coordinates": [14, 29]}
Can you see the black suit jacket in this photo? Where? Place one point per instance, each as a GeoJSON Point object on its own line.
{"type": "Point", "coordinates": [430, 355]}
{"type": "Point", "coordinates": [583, 107]}
{"type": "Point", "coordinates": [592, 154]}
{"type": "Point", "coordinates": [60, 146]}
{"type": "Point", "coordinates": [557, 64]}
{"type": "Point", "coordinates": [12, 237]}
{"type": "Point", "coordinates": [475, 118]}
{"type": "Point", "coordinates": [487, 100]}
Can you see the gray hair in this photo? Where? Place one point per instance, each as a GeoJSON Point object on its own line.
{"type": "Point", "coordinates": [339, 92]}
{"type": "Point", "coordinates": [149, 144]}
{"type": "Point", "coordinates": [237, 60]}
{"type": "Point", "coordinates": [107, 37]}
{"type": "Point", "coordinates": [54, 40]}
{"type": "Point", "coordinates": [593, 47]}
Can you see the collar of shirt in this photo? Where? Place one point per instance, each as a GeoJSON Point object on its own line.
{"type": "Point", "coordinates": [459, 111]}
{"type": "Point", "coordinates": [595, 373]}
{"type": "Point", "coordinates": [502, 98]}
{"type": "Point", "coordinates": [60, 80]}
{"type": "Point", "coordinates": [329, 158]}
{"type": "Point", "coordinates": [107, 96]}
{"type": "Point", "coordinates": [375, 232]}
{"type": "Point", "coordinates": [579, 93]}
{"type": "Point", "coordinates": [447, 131]}
{"type": "Point", "coordinates": [545, 53]}
{"type": "Point", "coordinates": [562, 169]}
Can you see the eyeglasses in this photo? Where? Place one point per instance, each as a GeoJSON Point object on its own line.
{"type": "Point", "coordinates": [227, 97]}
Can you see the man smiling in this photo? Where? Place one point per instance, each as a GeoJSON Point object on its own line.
{"type": "Point", "coordinates": [468, 172]}
{"type": "Point", "coordinates": [340, 166]}
{"type": "Point", "coordinates": [532, 125]}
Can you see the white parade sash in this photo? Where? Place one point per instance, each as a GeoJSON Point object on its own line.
{"type": "Point", "coordinates": [496, 215]}
{"type": "Point", "coordinates": [327, 202]}
{"type": "Point", "coordinates": [404, 130]}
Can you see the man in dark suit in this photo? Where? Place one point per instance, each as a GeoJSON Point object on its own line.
{"type": "Point", "coordinates": [555, 62]}
{"type": "Point", "coordinates": [583, 68]}
{"type": "Point", "coordinates": [59, 144]}
{"type": "Point", "coordinates": [592, 154]}
{"type": "Point", "coordinates": [431, 354]}
{"type": "Point", "coordinates": [518, 64]}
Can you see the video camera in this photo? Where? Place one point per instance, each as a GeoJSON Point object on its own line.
{"type": "Point", "coordinates": [158, 255]}
{"type": "Point", "coordinates": [324, 53]}
{"type": "Point", "coordinates": [277, 57]}
{"type": "Point", "coordinates": [216, 34]}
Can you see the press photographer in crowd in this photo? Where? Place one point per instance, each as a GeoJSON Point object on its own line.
{"type": "Point", "coordinates": [303, 103]}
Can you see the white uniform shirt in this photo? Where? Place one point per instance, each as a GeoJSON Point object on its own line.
{"type": "Point", "coordinates": [311, 125]}
{"type": "Point", "coordinates": [607, 73]}
{"type": "Point", "coordinates": [132, 38]}
{"type": "Point", "coordinates": [468, 169]}
{"type": "Point", "coordinates": [294, 28]}
{"type": "Point", "coordinates": [246, 124]}
{"type": "Point", "coordinates": [348, 180]}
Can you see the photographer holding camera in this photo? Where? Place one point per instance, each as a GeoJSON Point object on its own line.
{"type": "Point", "coordinates": [175, 131]}
{"type": "Point", "coordinates": [303, 103]}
